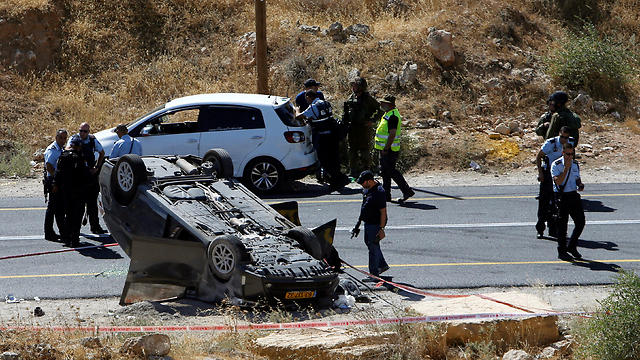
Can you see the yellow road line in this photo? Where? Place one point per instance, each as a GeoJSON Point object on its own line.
{"type": "Point", "coordinates": [24, 208]}
{"type": "Point", "coordinates": [394, 265]}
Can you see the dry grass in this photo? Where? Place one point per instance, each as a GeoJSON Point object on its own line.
{"type": "Point", "coordinates": [120, 59]}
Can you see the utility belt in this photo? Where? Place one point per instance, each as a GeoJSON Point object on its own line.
{"type": "Point", "coordinates": [323, 126]}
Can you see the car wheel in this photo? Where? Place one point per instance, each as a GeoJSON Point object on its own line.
{"type": "Point", "coordinates": [226, 253]}
{"type": "Point", "coordinates": [128, 173]}
{"type": "Point", "coordinates": [307, 240]}
{"type": "Point", "coordinates": [221, 160]}
{"type": "Point", "coordinates": [264, 175]}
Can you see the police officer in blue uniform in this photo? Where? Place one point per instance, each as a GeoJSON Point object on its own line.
{"type": "Point", "coordinates": [90, 145]}
{"type": "Point", "coordinates": [324, 137]}
{"type": "Point", "coordinates": [70, 182]}
{"type": "Point", "coordinates": [54, 205]}
{"type": "Point", "coordinates": [125, 144]}
{"type": "Point", "coordinates": [567, 183]}
{"type": "Point", "coordinates": [550, 151]}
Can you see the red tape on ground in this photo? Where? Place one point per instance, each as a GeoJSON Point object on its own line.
{"type": "Point", "coordinates": [284, 326]}
{"type": "Point", "coordinates": [57, 251]}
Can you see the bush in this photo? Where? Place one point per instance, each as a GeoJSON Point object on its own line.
{"type": "Point", "coordinates": [587, 61]}
{"type": "Point", "coordinates": [614, 332]}
{"type": "Point", "coordinates": [14, 160]}
{"type": "Point", "coordinates": [568, 10]}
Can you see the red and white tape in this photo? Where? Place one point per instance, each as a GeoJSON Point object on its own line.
{"type": "Point", "coordinates": [291, 325]}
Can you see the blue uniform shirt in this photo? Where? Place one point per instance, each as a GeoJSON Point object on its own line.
{"type": "Point", "coordinates": [553, 149]}
{"type": "Point", "coordinates": [571, 182]}
{"type": "Point", "coordinates": [301, 100]}
{"type": "Point", "coordinates": [51, 155]}
{"type": "Point", "coordinates": [124, 146]}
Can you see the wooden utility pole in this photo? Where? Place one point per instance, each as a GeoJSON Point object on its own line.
{"type": "Point", "coordinates": [261, 47]}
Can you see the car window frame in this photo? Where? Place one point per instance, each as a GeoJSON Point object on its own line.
{"type": "Point", "coordinates": [137, 131]}
{"type": "Point", "coordinates": [233, 106]}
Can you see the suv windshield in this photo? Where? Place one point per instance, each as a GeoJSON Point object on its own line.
{"type": "Point", "coordinates": [287, 115]}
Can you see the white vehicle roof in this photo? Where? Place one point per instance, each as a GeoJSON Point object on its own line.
{"type": "Point", "coordinates": [229, 99]}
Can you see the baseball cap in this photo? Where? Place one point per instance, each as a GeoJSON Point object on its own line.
{"type": "Point", "coordinates": [75, 141]}
{"type": "Point", "coordinates": [311, 82]}
{"type": "Point", "coordinates": [388, 99]}
{"type": "Point", "coordinates": [364, 176]}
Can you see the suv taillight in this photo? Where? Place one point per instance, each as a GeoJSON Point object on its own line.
{"type": "Point", "coordinates": [294, 136]}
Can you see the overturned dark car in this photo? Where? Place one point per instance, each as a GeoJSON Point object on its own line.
{"type": "Point", "coordinates": [191, 230]}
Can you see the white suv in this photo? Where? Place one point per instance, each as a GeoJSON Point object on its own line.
{"type": "Point", "coordinates": [267, 145]}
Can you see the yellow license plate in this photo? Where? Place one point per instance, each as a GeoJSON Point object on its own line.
{"type": "Point", "coordinates": [300, 294]}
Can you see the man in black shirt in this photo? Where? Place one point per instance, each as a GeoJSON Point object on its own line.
{"type": "Point", "coordinates": [374, 215]}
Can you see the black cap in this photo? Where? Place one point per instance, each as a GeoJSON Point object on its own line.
{"type": "Point", "coordinates": [388, 99]}
{"type": "Point", "coordinates": [559, 97]}
{"type": "Point", "coordinates": [311, 82]}
{"type": "Point", "coordinates": [75, 141]}
{"type": "Point", "coordinates": [364, 176]}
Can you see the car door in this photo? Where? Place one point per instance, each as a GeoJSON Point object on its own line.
{"type": "Point", "coordinates": [238, 129]}
{"type": "Point", "coordinates": [174, 132]}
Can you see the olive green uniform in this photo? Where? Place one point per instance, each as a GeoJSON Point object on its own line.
{"type": "Point", "coordinates": [360, 112]}
{"type": "Point", "coordinates": [542, 129]}
{"type": "Point", "coordinates": [564, 117]}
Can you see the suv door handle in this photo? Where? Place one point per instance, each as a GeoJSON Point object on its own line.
{"type": "Point", "coordinates": [192, 140]}
{"type": "Point", "coordinates": [256, 137]}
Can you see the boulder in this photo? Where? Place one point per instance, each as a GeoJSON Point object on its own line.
{"type": "Point", "coordinates": [502, 129]}
{"type": "Point", "coordinates": [247, 48]}
{"type": "Point", "coordinates": [336, 32]}
{"type": "Point", "coordinates": [440, 44]}
{"type": "Point", "coordinates": [392, 78]}
{"type": "Point", "coordinates": [353, 74]}
{"type": "Point", "coordinates": [408, 74]}
{"type": "Point", "coordinates": [152, 344]}
{"type": "Point", "coordinates": [583, 101]}
{"type": "Point", "coordinates": [357, 30]}
{"type": "Point", "coordinates": [517, 355]}
{"type": "Point", "coordinates": [313, 29]}
{"type": "Point", "coordinates": [514, 127]}
{"type": "Point", "coordinates": [8, 355]}
{"type": "Point", "coordinates": [602, 107]}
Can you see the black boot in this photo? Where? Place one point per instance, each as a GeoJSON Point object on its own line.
{"type": "Point", "coordinates": [563, 255]}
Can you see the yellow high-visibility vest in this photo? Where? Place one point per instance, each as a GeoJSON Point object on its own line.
{"type": "Point", "coordinates": [382, 133]}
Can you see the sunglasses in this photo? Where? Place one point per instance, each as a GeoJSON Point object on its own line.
{"type": "Point", "coordinates": [83, 131]}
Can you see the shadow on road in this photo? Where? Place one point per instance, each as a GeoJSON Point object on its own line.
{"type": "Point", "coordinates": [596, 265]}
{"type": "Point", "coordinates": [407, 295]}
{"type": "Point", "coordinates": [305, 190]}
{"type": "Point", "coordinates": [596, 206]}
{"type": "Point", "coordinates": [417, 205]}
{"type": "Point", "coordinates": [98, 253]}
{"type": "Point", "coordinates": [588, 244]}
{"type": "Point", "coordinates": [437, 194]}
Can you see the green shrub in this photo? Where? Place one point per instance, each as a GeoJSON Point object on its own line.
{"type": "Point", "coordinates": [14, 160]}
{"type": "Point", "coordinates": [568, 10]}
{"type": "Point", "coordinates": [585, 60]}
{"type": "Point", "coordinates": [410, 153]}
{"type": "Point", "coordinates": [614, 332]}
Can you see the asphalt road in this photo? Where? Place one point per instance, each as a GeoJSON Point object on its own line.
{"type": "Point", "coordinates": [448, 237]}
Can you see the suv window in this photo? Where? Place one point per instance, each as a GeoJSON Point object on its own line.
{"type": "Point", "coordinates": [216, 118]}
{"type": "Point", "coordinates": [287, 115]}
{"type": "Point", "coordinates": [172, 122]}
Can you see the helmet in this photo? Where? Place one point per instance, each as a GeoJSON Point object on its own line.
{"type": "Point", "coordinates": [559, 98]}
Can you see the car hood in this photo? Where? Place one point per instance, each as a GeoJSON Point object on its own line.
{"type": "Point", "coordinates": [106, 138]}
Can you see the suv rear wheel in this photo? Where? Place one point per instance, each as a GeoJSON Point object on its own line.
{"type": "Point", "coordinates": [264, 175]}
{"type": "Point", "coordinates": [226, 253]}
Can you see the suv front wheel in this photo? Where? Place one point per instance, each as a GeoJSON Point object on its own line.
{"type": "Point", "coordinates": [264, 175]}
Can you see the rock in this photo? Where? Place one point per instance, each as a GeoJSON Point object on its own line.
{"type": "Point", "coordinates": [309, 29]}
{"type": "Point", "coordinates": [247, 48]}
{"type": "Point", "coordinates": [565, 347]}
{"type": "Point", "coordinates": [494, 135]}
{"type": "Point", "coordinates": [616, 115]}
{"type": "Point", "coordinates": [484, 100]}
{"type": "Point", "coordinates": [385, 43]}
{"type": "Point", "coordinates": [583, 101]}
{"type": "Point", "coordinates": [352, 39]}
{"type": "Point", "coordinates": [392, 79]}
{"type": "Point", "coordinates": [440, 44]}
{"type": "Point", "coordinates": [502, 129]}
{"type": "Point", "coordinates": [452, 131]}
{"type": "Point", "coordinates": [8, 355]}
{"type": "Point", "coordinates": [585, 147]}
{"type": "Point", "coordinates": [336, 32]}
{"type": "Point", "coordinates": [607, 148]}
{"type": "Point", "coordinates": [517, 355]}
{"type": "Point", "coordinates": [446, 115]}
{"type": "Point", "coordinates": [353, 74]}
{"type": "Point", "coordinates": [91, 342]}
{"type": "Point", "coordinates": [427, 123]}
{"type": "Point", "coordinates": [602, 107]}
{"type": "Point", "coordinates": [408, 74]}
{"type": "Point", "coordinates": [38, 155]}
{"type": "Point", "coordinates": [507, 66]}
{"type": "Point", "coordinates": [357, 30]}
{"type": "Point", "coordinates": [514, 127]}
{"type": "Point", "coordinates": [493, 83]}
{"type": "Point", "coordinates": [153, 344]}
{"type": "Point", "coordinates": [516, 72]}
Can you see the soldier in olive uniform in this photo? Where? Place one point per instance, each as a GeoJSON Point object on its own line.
{"type": "Point", "coordinates": [69, 183]}
{"type": "Point", "coordinates": [360, 114]}
{"type": "Point", "coordinates": [563, 117]}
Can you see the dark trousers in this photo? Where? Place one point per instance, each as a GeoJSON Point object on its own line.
{"type": "Point", "coordinates": [359, 149]}
{"type": "Point", "coordinates": [376, 259]}
{"type": "Point", "coordinates": [54, 210]}
{"type": "Point", "coordinates": [73, 205]}
{"type": "Point", "coordinates": [388, 172]}
{"type": "Point", "coordinates": [570, 205]}
{"type": "Point", "coordinates": [91, 201]}
{"type": "Point", "coordinates": [546, 197]}
{"type": "Point", "coordinates": [327, 149]}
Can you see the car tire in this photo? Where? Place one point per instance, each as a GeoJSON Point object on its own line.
{"type": "Point", "coordinates": [307, 240]}
{"type": "Point", "coordinates": [127, 174]}
{"type": "Point", "coordinates": [226, 253]}
{"type": "Point", "coordinates": [222, 164]}
{"type": "Point", "coordinates": [264, 176]}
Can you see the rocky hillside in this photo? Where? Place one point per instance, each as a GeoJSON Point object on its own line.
{"type": "Point", "coordinates": [461, 70]}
